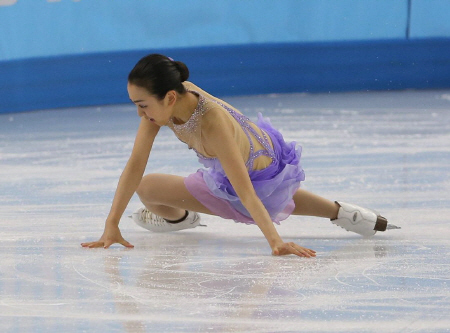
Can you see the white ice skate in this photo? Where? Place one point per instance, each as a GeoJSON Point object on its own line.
{"type": "Point", "coordinates": [363, 221]}
{"type": "Point", "coordinates": [150, 221]}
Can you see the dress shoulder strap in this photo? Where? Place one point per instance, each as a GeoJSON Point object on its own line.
{"type": "Point", "coordinates": [249, 131]}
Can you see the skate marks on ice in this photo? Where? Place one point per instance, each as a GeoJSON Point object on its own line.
{"type": "Point", "coordinates": [199, 281]}
{"type": "Point", "coordinates": [387, 151]}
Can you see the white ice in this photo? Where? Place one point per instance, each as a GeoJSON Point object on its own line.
{"type": "Point", "coordinates": [389, 151]}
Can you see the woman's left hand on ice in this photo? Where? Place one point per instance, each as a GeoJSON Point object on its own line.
{"type": "Point", "coordinates": [292, 248]}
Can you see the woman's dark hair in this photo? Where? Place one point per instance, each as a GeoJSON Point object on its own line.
{"type": "Point", "coordinates": [159, 74]}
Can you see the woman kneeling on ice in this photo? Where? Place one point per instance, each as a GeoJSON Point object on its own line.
{"type": "Point", "coordinates": [251, 174]}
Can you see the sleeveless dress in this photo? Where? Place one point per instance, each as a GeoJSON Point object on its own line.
{"type": "Point", "coordinates": [275, 184]}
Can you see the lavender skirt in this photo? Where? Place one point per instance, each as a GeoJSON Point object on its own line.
{"type": "Point", "coordinates": [274, 185]}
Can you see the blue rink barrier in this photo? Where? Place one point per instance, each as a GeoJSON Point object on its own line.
{"type": "Point", "coordinates": [101, 78]}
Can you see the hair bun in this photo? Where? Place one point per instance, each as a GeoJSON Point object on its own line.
{"type": "Point", "coordinates": [184, 71]}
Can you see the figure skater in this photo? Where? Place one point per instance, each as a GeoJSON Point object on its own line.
{"type": "Point", "coordinates": [251, 174]}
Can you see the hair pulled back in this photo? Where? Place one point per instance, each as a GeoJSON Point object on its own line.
{"type": "Point", "coordinates": [159, 74]}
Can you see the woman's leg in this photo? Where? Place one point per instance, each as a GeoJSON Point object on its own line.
{"type": "Point", "coordinates": [167, 196]}
{"type": "Point", "coordinates": [307, 203]}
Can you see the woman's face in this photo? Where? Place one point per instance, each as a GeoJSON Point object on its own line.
{"type": "Point", "coordinates": [149, 106]}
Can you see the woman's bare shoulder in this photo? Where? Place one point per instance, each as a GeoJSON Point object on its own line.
{"type": "Point", "coordinates": [192, 87]}
{"type": "Point", "coordinates": [215, 120]}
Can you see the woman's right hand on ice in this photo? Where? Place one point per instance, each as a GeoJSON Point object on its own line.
{"type": "Point", "coordinates": [292, 248]}
{"type": "Point", "coordinates": [110, 236]}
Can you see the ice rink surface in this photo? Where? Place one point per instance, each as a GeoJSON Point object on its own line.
{"type": "Point", "coordinates": [389, 151]}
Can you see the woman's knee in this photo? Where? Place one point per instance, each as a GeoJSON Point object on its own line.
{"type": "Point", "coordinates": [147, 186]}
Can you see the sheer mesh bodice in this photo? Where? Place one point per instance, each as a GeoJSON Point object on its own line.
{"type": "Point", "coordinates": [253, 149]}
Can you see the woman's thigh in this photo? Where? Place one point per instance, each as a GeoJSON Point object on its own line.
{"type": "Point", "coordinates": [169, 190]}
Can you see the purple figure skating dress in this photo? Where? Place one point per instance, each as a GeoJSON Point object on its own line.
{"type": "Point", "coordinates": [275, 184]}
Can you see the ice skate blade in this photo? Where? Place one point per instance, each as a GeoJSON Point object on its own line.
{"type": "Point", "coordinates": [392, 227]}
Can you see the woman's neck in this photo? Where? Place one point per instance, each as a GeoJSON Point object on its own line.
{"type": "Point", "coordinates": [184, 108]}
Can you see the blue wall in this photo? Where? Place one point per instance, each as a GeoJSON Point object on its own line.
{"type": "Point", "coordinates": [72, 53]}
{"type": "Point", "coordinates": [36, 28]}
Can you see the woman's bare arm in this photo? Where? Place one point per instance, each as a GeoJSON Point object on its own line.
{"type": "Point", "coordinates": [128, 183]}
{"type": "Point", "coordinates": [134, 170]}
{"type": "Point", "coordinates": [219, 141]}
